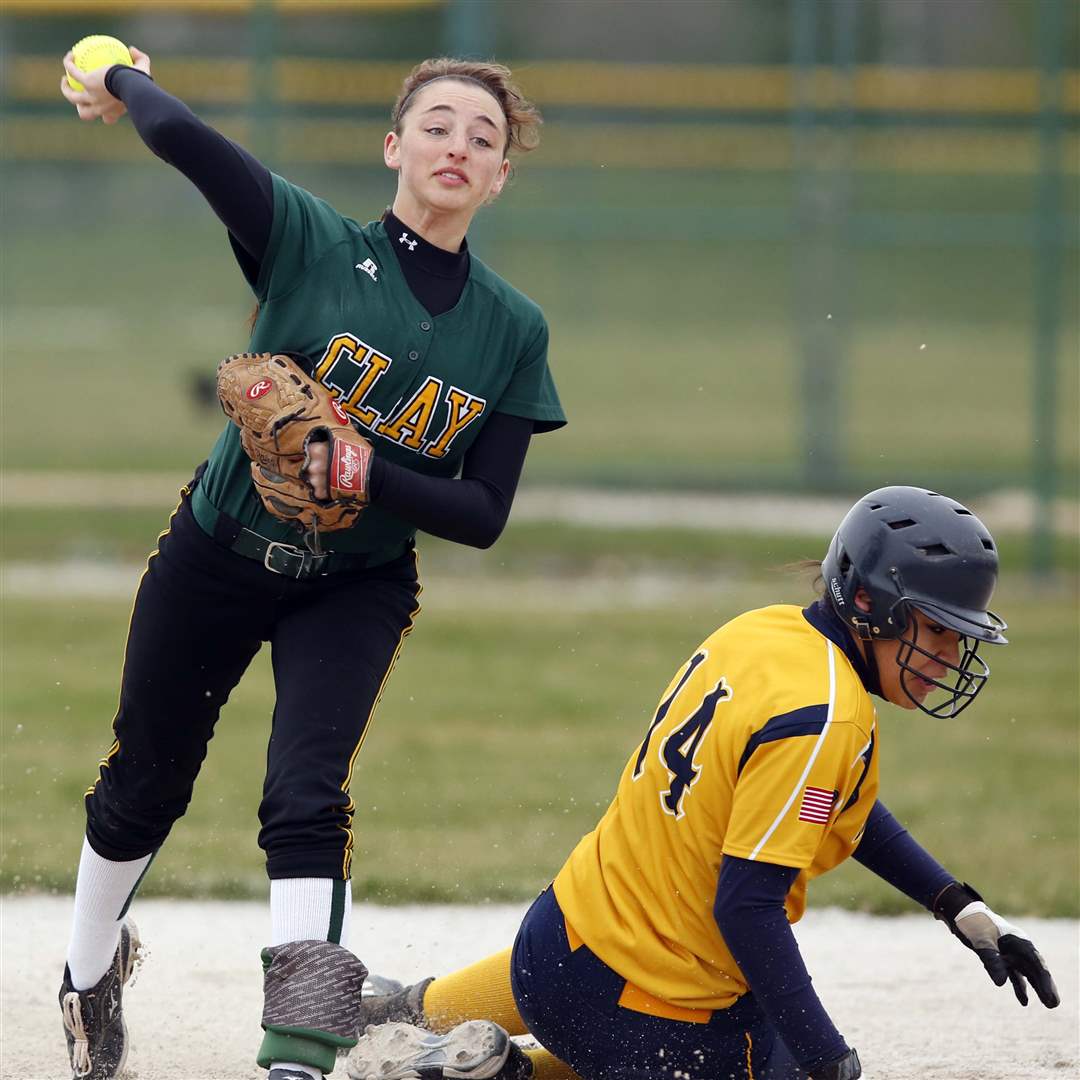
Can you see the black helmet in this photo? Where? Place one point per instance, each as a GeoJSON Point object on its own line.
{"type": "Point", "coordinates": [908, 547]}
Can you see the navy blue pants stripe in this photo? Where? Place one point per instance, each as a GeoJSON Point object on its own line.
{"type": "Point", "coordinates": [569, 1001]}
{"type": "Point", "coordinates": [200, 616]}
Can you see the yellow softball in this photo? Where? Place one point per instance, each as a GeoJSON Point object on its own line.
{"type": "Point", "coordinates": [98, 51]}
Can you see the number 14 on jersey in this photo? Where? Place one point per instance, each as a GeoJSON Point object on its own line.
{"type": "Point", "coordinates": [679, 746]}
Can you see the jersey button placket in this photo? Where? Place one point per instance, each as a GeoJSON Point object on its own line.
{"type": "Point", "coordinates": [426, 327]}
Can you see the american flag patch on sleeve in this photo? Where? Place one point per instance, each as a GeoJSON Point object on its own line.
{"type": "Point", "coordinates": [816, 805]}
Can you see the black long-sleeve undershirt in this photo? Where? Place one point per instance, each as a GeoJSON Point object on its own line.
{"type": "Point", "coordinates": [471, 510]}
{"type": "Point", "coordinates": [749, 910]}
{"type": "Point", "coordinates": [237, 186]}
{"type": "Point", "coordinates": [890, 851]}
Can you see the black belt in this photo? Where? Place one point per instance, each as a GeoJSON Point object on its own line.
{"type": "Point", "coordinates": [277, 556]}
{"type": "Point", "coordinates": [292, 561]}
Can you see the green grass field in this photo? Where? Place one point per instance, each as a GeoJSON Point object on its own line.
{"type": "Point", "coordinates": [675, 339]}
{"type": "Point", "coordinates": [535, 667]}
{"type": "Point", "coordinates": [530, 678]}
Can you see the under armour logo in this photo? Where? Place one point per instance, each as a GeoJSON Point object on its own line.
{"type": "Point", "coordinates": [369, 268]}
{"type": "Point", "coordinates": [404, 239]}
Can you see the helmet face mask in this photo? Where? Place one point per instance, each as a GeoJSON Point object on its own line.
{"type": "Point", "coordinates": [969, 674]}
{"type": "Point", "coordinates": [901, 551]}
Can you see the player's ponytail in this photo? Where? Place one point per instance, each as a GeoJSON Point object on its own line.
{"type": "Point", "coordinates": [810, 568]}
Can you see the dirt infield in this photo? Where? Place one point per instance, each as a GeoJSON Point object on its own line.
{"type": "Point", "coordinates": [915, 1003]}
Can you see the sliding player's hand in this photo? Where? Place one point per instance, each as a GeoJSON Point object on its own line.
{"type": "Point", "coordinates": [1006, 952]}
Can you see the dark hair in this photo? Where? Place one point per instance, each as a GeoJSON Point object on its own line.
{"type": "Point", "coordinates": [523, 118]}
{"type": "Point", "coordinates": [810, 568]}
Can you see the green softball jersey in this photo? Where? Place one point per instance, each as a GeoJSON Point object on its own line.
{"type": "Point", "coordinates": [419, 386]}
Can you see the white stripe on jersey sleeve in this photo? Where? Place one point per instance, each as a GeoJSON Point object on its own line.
{"type": "Point", "coordinates": [813, 755]}
{"type": "Point", "coordinates": [858, 756]}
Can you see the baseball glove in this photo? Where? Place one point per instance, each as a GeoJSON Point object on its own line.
{"type": "Point", "coordinates": [281, 412]}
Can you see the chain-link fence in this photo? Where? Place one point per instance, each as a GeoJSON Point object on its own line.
{"type": "Point", "coordinates": [781, 243]}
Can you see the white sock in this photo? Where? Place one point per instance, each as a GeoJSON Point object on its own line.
{"type": "Point", "coordinates": [309, 909]}
{"type": "Point", "coordinates": [300, 1070]}
{"type": "Point", "coordinates": [101, 891]}
{"type": "Point", "coordinates": [304, 909]}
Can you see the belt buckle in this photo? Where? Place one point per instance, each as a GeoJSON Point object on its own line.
{"type": "Point", "coordinates": [294, 570]}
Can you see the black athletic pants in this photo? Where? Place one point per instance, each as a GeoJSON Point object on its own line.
{"type": "Point", "coordinates": [200, 616]}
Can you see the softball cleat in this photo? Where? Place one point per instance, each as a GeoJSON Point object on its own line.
{"type": "Point", "coordinates": [97, 1038]}
{"type": "Point", "coordinates": [475, 1050]}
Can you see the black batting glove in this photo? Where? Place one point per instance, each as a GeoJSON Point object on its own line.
{"type": "Point", "coordinates": [1005, 950]}
{"type": "Point", "coordinates": [847, 1068]}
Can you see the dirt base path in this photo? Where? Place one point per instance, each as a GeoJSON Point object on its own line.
{"type": "Point", "coordinates": [776, 513]}
{"type": "Point", "coordinates": [914, 1001]}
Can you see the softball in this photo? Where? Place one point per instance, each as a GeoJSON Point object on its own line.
{"type": "Point", "coordinates": [98, 51]}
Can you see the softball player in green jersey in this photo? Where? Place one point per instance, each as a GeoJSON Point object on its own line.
{"type": "Point", "coordinates": [443, 366]}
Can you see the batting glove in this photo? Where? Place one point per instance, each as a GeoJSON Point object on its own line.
{"type": "Point", "coordinates": [1005, 950]}
{"type": "Point", "coordinates": [847, 1068]}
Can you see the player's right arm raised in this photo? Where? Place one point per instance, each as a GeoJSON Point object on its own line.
{"type": "Point", "coordinates": [235, 184]}
{"type": "Point", "coordinates": [94, 102]}
{"type": "Point", "coordinates": [472, 509]}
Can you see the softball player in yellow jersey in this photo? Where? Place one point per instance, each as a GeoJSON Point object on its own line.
{"type": "Point", "coordinates": [762, 733]}
{"type": "Point", "coordinates": [664, 947]}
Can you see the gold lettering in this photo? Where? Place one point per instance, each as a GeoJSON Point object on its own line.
{"type": "Point", "coordinates": [376, 365]}
{"type": "Point", "coordinates": [462, 410]}
{"type": "Point", "coordinates": [358, 360]}
{"type": "Point", "coordinates": [411, 421]}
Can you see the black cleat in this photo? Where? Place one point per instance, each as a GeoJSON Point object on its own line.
{"type": "Point", "coordinates": [385, 1001]}
{"type": "Point", "coordinates": [94, 1025]}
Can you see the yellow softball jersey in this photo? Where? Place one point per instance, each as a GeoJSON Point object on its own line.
{"type": "Point", "coordinates": [762, 747]}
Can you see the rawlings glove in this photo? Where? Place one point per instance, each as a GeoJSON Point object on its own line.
{"type": "Point", "coordinates": [281, 412]}
{"type": "Point", "coordinates": [1005, 950]}
{"type": "Point", "coordinates": [847, 1068]}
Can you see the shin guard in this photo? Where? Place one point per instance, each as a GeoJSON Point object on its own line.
{"type": "Point", "coordinates": [311, 1003]}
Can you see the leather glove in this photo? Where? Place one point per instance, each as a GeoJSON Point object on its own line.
{"type": "Point", "coordinates": [281, 412]}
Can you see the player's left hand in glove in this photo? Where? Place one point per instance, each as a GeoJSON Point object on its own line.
{"type": "Point", "coordinates": [1006, 951]}
{"type": "Point", "coordinates": [282, 414]}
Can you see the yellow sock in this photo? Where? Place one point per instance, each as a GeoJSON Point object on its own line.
{"type": "Point", "coordinates": [548, 1067]}
{"type": "Point", "coordinates": [479, 992]}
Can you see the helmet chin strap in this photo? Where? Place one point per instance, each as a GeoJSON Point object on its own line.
{"type": "Point", "coordinates": [864, 635]}
{"type": "Point", "coordinates": [874, 680]}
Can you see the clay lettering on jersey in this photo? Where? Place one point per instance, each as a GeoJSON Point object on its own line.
{"type": "Point", "coordinates": [350, 369]}
{"type": "Point", "coordinates": [408, 425]}
{"type": "Point", "coordinates": [462, 409]}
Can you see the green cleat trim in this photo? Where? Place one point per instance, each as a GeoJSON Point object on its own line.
{"type": "Point", "coordinates": [305, 1046]}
